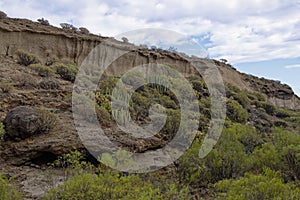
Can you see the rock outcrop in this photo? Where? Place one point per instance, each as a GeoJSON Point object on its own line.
{"type": "Point", "coordinates": [22, 122]}
{"type": "Point", "coordinates": [75, 46]}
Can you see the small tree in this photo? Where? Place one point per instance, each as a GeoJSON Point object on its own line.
{"type": "Point", "coordinates": [223, 60]}
{"type": "Point", "coordinates": [2, 15]}
{"type": "Point", "coordinates": [43, 22]}
{"type": "Point", "coordinates": [143, 46]}
{"type": "Point", "coordinates": [84, 30]}
{"type": "Point", "coordinates": [67, 26]}
{"type": "Point", "coordinates": [124, 39]}
{"type": "Point", "coordinates": [172, 49]}
{"type": "Point", "coordinates": [153, 48]}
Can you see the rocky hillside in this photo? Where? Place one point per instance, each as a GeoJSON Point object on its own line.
{"type": "Point", "coordinates": [75, 46]}
{"type": "Point", "coordinates": [36, 108]}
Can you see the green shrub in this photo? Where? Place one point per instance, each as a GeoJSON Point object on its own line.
{"type": "Point", "coordinates": [42, 70]}
{"type": "Point", "coordinates": [280, 123]}
{"type": "Point", "coordinates": [258, 96]}
{"type": "Point", "coordinates": [248, 136]}
{"type": "Point", "coordinates": [67, 71]}
{"type": "Point", "coordinates": [228, 159]}
{"type": "Point", "coordinates": [172, 123]}
{"type": "Point", "coordinates": [103, 116]}
{"type": "Point", "coordinates": [49, 119]}
{"type": "Point", "coordinates": [235, 112]}
{"type": "Point", "coordinates": [231, 90]}
{"type": "Point", "coordinates": [280, 153]}
{"type": "Point", "coordinates": [8, 190]}
{"type": "Point", "coordinates": [2, 131]}
{"type": "Point", "coordinates": [282, 138]}
{"type": "Point", "coordinates": [291, 155]}
{"type": "Point", "coordinates": [288, 148]}
{"type": "Point", "coordinates": [73, 160]}
{"type": "Point", "coordinates": [266, 156]}
{"type": "Point", "coordinates": [204, 107]}
{"type": "Point", "coordinates": [266, 186]}
{"type": "Point", "coordinates": [268, 107]}
{"type": "Point", "coordinates": [167, 102]}
{"type": "Point", "coordinates": [107, 85]}
{"type": "Point", "coordinates": [282, 113]}
{"type": "Point", "coordinates": [49, 84]}
{"type": "Point", "coordinates": [6, 87]}
{"type": "Point", "coordinates": [140, 105]}
{"type": "Point", "coordinates": [50, 58]}
{"type": "Point", "coordinates": [72, 163]}
{"type": "Point", "coordinates": [199, 85]}
{"type": "Point", "coordinates": [107, 186]}
{"type": "Point", "coordinates": [242, 98]}
{"type": "Point", "coordinates": [27, 81]}
{"type": "Point", "coordinates": [191, 168]}
{"type": "Point", "coordinates": [26, 58]}
{"type": "Point", "coordinates": [103, 101]}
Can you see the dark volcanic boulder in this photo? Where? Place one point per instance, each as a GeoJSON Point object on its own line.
{"type": "Point", "coordinates": [22, 122]}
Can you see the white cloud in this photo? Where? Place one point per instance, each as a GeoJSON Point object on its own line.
{"type": "Point", "coordinates": [238, 30]}
{"type": "Point", "coordinates": [292, 66]}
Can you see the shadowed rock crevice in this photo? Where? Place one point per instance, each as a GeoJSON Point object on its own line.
{"type": "Point", "coordinates": [44, 158]}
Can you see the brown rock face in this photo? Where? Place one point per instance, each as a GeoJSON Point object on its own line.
{"type": "Point", "coordinates": [75, 46]}
{"type": "Point", "coordinates": [22, 122]}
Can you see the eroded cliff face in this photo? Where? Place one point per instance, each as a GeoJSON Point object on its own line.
{"type": "Point", "coordinates": [75, 46]}
{"type": "Point", "coordinates": [74, 49]}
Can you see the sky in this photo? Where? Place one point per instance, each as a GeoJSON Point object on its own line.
{"type": "Point", "coordinates": [260, 37]}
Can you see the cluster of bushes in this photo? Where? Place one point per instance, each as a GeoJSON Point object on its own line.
{"type": "Point", "coordinates": [227, 160]}
{"type": "Point", "coordinates": [104, 186]}
{"type": "Point", "coordinates": [49, 84]}
{"type": "Point", "coordinates": [238, 162]}
{"type": "Point", "coordinates": [268, 185]}
{"type": "Point", "coordinates": [244, 164]}
{"type": "Point", "coordinates": [248, 106]}
{"type": "Point", "coordinates": [242, 106]}
{"type": "Point", "coordinates": [42, 70]}
{"type": "Point", "coordinates": [86, 181]}
{"type": "Point", "coordinates": [66, 71]}
{"type": "Point", "coordinates": [236, 112]}
{"type": "Point", "coordinates": [25, 58]}
{"type": "Point", "coordinates": [142, 100]}
{"type": "Point", "coordinates": [43, 22]}
{"type": "Point", "coordinates": [67, 26]}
